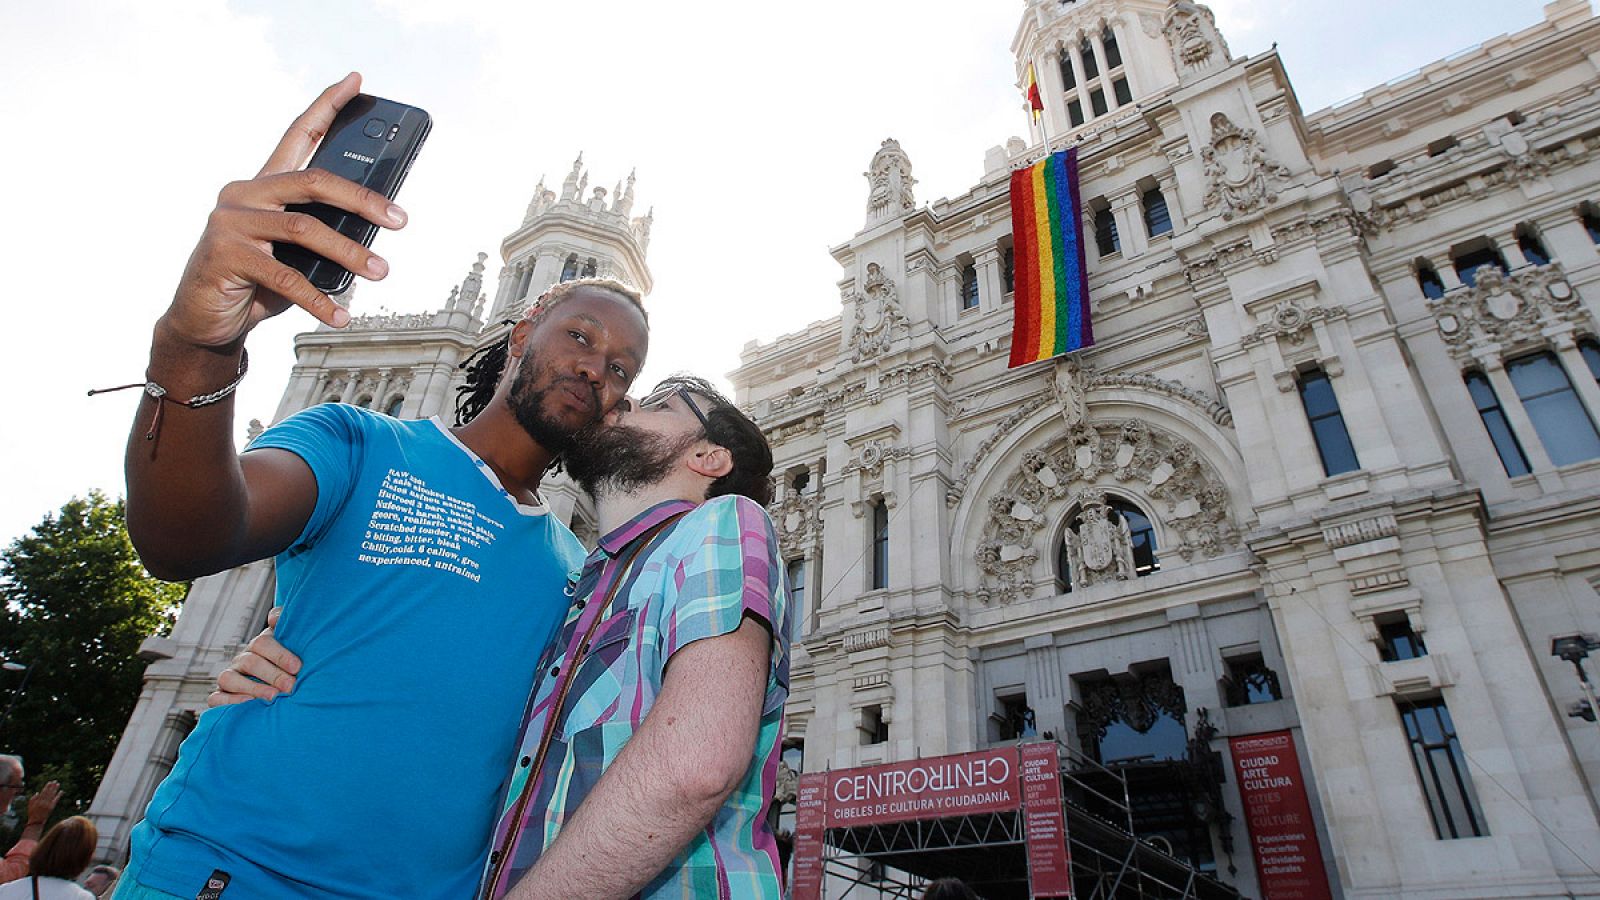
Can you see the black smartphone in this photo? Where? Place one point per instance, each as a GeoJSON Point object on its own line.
{"type": "Point", "coordinates": [372, 142]}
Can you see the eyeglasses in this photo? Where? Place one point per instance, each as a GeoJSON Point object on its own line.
{"type": "Point", "coordinates": [11, 787]}
{"type": "Point", "coordinates": [663, 394]}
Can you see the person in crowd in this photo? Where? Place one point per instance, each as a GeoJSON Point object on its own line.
{"type": "Point", "coordinates": [62, 855]}
{"type": "Point", "coordinates": [948, 889]}
{"type": "Point", "coordinates": [38, 810]}
{"type": "Point", "coordinates": [679, 629]}
{"type": "Point", "coordinates": [101, 879]}
{"type": "Point", "coordinates": [408, 554]}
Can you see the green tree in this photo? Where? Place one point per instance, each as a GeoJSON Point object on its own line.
{"type": "Point", "coordinates": [77, 605]}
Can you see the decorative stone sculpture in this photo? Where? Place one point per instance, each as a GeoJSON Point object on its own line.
{"type": "Point", "coordinates": [877, 315]}
{"type": "Point", "coordinates": [889, 177]}
{"type": "Point", "coordinates": [1099, 549]}
{"type": "Point", "coordinates": [1239, 176]}
{"type": "Point", "coordinates": [1193, 38]}
{"type": "Point", "coordinates": [1507, 310]}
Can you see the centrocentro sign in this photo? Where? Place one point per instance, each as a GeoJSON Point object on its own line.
{"type": "Point", "coordinates": [964, 784]}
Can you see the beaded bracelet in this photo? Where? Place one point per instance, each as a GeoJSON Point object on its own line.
{"type": "Point", "coordinates": [195, 402]}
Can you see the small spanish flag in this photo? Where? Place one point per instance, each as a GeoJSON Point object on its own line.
{"type": "Point", "coordinates": [1035, 102]}
{"type": "Point", "coordinates": [1051, 303]}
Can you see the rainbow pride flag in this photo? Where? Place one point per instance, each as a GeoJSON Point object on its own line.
{"type": "Point", "coordinates": [1051, 300]}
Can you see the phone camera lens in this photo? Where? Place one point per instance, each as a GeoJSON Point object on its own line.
{"type": "Point", "coordinates": [375, 128]}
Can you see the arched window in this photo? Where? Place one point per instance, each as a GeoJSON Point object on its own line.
{"type": "Point", "coordinates": [569, 270]}
{"type": "Point", "coordinates": [331, 398]}
{"type": "Point", "coordinates": [1063, 568]}
{"type": "Point", "coordinates": [1157, 220]}
{"type": "Point", "coordinates": [969, 287]}
{"type": "Point", "coordinates": [1474, 256]}
{"type": "Point", "coordinates": [588, 268]}
{"type": "Point", "coordinates": [1108, 39]}
{"type": "Point", "coordinates": [1068, 78]}
{"type": "Point", "coordinates": [393, 409]}
{"type": "Point", "coordinates": [1091, 69]}
{"type": "Point", "coordinates": [1589, 214]}
{"type": "Point", "coordinates": [364, 401]}
{"type": "Point", "coordinates": [1141, 531]}
{"type": "Point", "coordinates": [1428, 279]}
{"type": "Point", "coordinates": [1531, 247]}
{"type": "Point", "coordinates": [1105, 230]}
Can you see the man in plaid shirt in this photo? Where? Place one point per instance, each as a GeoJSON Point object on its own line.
{"type": "Point", "coordinates": [650, 747]}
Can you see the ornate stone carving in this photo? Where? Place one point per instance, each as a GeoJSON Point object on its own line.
{"type": "Point", "coordinates": [999, 432]}
{"type": "Point", "coordinates": [799, 522]}
{"type": "Point", "coordinates": [787, 786]}
{"type": "Point", "coordinates": [1239, 176]}
{"type": "Point", "coordinates": [1193, 37]}
{"type": "Point", "coordinates": [1098, 549]}
{"type": "Point", "coordinates": [1069, 385]}
{"type": "Point", "coordinates": [1094, 458]}
{"type": "Point", "coordinates": [890, 183]}
{"type": "Point", "coordinates": [1507, 309]}
{"type": "Point", "coordinates": [877, 315]}
{"type": "Point", "coordinates": [1291, 322]}
{"type": "Point", "coordinates": [1137, 701]}
{"type": "Point", "coordinates": [391, 322]}
{"type": "Point", "coordinates": [870, 458]}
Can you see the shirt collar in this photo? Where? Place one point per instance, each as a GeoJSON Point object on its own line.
{"type": "Point", "coordinates": [624, 534]}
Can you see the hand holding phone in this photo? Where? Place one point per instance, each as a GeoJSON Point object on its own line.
{"type": "Point", "coordinates": [233, 282]}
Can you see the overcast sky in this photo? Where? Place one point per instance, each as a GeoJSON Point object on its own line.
{"type": "Point", "coordinates": [749, 123]}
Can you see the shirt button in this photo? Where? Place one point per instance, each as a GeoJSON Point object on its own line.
{"type": "Point", "coordinates": [527, 761]}
{"type": "Point", "coordinates": [554, 671]}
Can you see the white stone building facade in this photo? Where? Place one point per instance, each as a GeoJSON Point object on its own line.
{"type": "Point", "coordinates": [1325, 470]}
{"type": "Point", "coordinates": [1330, 468]}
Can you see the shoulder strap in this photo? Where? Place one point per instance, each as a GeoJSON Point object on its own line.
{"type": "Point", "coordinates": [553, 719]}
{"type": "Point", "coordinates": [35, 887]}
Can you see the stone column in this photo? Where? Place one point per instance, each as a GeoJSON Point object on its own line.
{"type": "Point", "coordinates": [1134, 82]}
{"type": "Point", "coordinates": [1446, 268]}
{"type": "Point", "coordinates": [991, 286]}
{"type": "Point", "coordinates": [1130, 223]}
{"type": "Point", "coordinates": [1578, 372]}
{"type": "Point", "coordinates": [352, 381]}
{"type": "Point", "coordinates": [1169, 193]}
{"type": "Point", "coordinates": [380, 397]}
{"type": "Point", "coordinates": [1044, 685]}
{"type": "Point", "coordinates": [1078, 73]}
{"type": "Point", "coordinates": [1053, 91]}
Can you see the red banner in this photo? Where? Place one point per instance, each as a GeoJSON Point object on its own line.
{"type": "Point", "coordinates": [808, 828]}
{"type": "Point", "coordinates": [1278, 812]}
{"type": "Point", "coordinates": [961, 785]}
{"type": "Point", "coordinates": [1049, 869]}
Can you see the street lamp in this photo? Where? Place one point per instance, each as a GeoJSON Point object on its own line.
{"type": "Point", "coordinates": [1574, 648]}
{"type": "Point", "coordinates": [27, 672]}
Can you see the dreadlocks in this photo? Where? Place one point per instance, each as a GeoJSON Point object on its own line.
{"type": "Point", "coordinates": [485, 366]}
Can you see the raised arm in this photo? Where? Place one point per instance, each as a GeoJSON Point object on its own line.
{"type": "Point", "coordinates": [670, 779]}
{"type": "Point", "coordinates": [194, 505]}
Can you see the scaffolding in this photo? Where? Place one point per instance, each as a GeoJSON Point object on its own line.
{"type": "Point", "coordinates": [1108, 860]}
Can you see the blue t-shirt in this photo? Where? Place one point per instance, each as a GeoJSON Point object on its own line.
{"type": "Point", "coordinates": [419, 597]}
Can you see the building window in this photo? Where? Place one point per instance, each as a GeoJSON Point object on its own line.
{"type": "Point", "coordinates": [799, 481]}
{"type": "Point", "coordinates": [1097, 101]}
{"type": "Point", "coordinates": [1442, 769]}
{"type": "Point", "coordinates": [1591, 356]}
{"type": "Point", "coordinates": [1091, 68]}
{"type": "Point", "coordinates": [1157, 220]}
{"type": "Point", "coordinates": [1327, 424]}
{"type": "Point", "coordinates": [589, 268]}
{"type": "Point", "coordinates": [1428, 279]}
{"type": "Point", "coordinates": [797, 583]}
{"type": "Point", "coordinates": [1495, 422]}
{"type": "Point", "coordinates": [1068, 79]}
{"type": "Point", "coordinates": [1133, 719]}
{"type": "Point", "coordinates": [1250, 681]}
{"type": "Point", "coordinates": [1108, 39]}
{"type": "Point", "coordinates": [1590, 216]}
{"type": "Point", "coordinates": [1141, 532]}
{"type": "Point", "coordinates": [1008, 269]}
{"type": "Point", "coordinates": [1396, 640]}
{"type": "Point", "coordinates": [1531, 247]}
{"type": "Point", "coordinates": [1105, 231]}
{"type": "Point", "coordinates": [393, 408]}
{"type": "Point", "coordinates": [1015, 719]}
{"type": "Point", "coordinates": [1063, 568]}
{"type": "Point", "coordinates": [364, 401]}
{"type": "Point", "coordinates": [1075, 114]}
{"type": "Point", "coordinates": [969, 287]}
{"type": "Point", "coordinates": [1564, 427]}
{"type": "Point", "coordinates": [880, 544]}
{"type": "Point", "coordinates": [1467, 263]}
{"type": "Point", "coordinates": [1120, 90]}
{"type": "Point", "coordinates": [874, 730]}
{"type": "Point", "coordinates": [569, 269]}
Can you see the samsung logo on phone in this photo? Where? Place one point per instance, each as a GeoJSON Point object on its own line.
{"type": "Point", "coordinates": [358, 157]}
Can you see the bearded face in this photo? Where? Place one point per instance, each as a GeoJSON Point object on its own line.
{"type": "Point", "coordinates": [620, 458]}
{"type": "Point", "coordinates": [533, 386]}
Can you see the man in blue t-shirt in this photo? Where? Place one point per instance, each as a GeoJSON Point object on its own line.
{"type": "Point", "coordinates": [411, 556]}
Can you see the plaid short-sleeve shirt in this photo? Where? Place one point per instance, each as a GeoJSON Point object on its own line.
{"type": "Point", "coordinates": [698, 578]}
